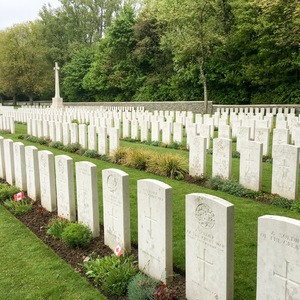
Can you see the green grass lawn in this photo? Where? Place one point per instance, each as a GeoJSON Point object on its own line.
{"type": "Point", "coordinates": [246, 213]}
{"type": "Point", "coordinates": [31, 270]}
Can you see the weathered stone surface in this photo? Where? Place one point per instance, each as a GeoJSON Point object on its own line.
{"type": "Point", "coordinates": [155, 231]}
{"type": "Point", "coordinates": [9, 161]}
{"type": "Point", "coordinates": [116, 209]}
{"type": "Point", "coordinates": [32, 172]}
{"type": "Point", "coordinates": [209, 247]}
{"type": "Point", "coordinates": [197, 156]}
{"type": "Point", "coordinates": [222, 157]}
{"type": "Point", "coordinates": [20, 165]}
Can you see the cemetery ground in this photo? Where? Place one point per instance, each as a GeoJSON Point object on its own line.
{"type": "Point", "coordinates": [246, 213]}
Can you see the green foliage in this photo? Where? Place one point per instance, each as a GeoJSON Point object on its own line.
{"type": "Point", "coordinates": [141, 287]}
{"type": "Point", "coordinates": [57, 145]}
{"type": "Point", "coordinates": [209, 151]}
{"type": "Point", "coordinates": [215, 182]}
{"type": "Point", "coordinates": [105, 157]}
{"type": "Point", "coordinates": [137, 158]}
{"type": "Point", "coordinates": [32, 139]}
{"type": "Point", "coordinates": [296, 206]}
{"type": "Point", "coordinates": [282, 202]}
{"type": "Point", "coordinates": [91, 153]}
{"type": "Point", "coordinates": [179, 177]}
{"type": "Point", "coordinates": [155, 143]}
{"type": "Point", "coordinates": [7, 192]}
{"type": "Point", "coordinates": [77, 235]}
{"type": "Point", "coordinates": [233, 188]}
{"type": "Point", "coordinates": [72, 148]}
{"type": "Point", "coordinates": [56, 227]}
{"type": "Point", "coordinates": [235, 154]}
{"type": "Point", "coordinates": [253, 194]}
{"type": "Point", "coordinates": [18, 207]}
{"type": "Point", "coordinates": [174, 145]}
{"type": "Point", "coordinates": [112, 273]}
{"type": "Point", "coordinates": [75, 121]}
{"type": "Point", "coordinates": [20, 137]}
{"type": "Point", "coordinates": [42, 141]}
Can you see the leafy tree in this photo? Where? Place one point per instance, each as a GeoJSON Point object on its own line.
{"type": "Point", "coordinates": [195, 27]}
{"type": "Point", "coordinates": [74, 73]}
{"type": "Point", "coordinates": [113, 74]}
{"type": "Point", "coordinates": [23, 65]}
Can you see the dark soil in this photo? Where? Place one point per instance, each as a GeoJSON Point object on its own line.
{"type": "Point", "coordinates": [37, 220]}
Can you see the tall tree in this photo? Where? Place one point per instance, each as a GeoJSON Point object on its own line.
{"type": "Point", "coordinates": [113, 74]}
{"type": "Point", "coordinates": [24, 68]}
{"type": "Point", "coordinates": [195, 28]}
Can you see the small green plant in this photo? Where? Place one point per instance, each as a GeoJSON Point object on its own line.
{"type": "Point", "coordinates": [155, 143]}
{"type": "Point", "coordinates": [20, 137]}
{"type": "Point", "coordinates": [82, 151]}
{"type": "Point", "coordinates": [282, 202]}
{"type": "Point", "coordinates": [235, 154]}
{"type": "Point", "coordinates": [104, 157]}
{"type": "Point", "coordinates": [201, 179]}
{"type": "Point", "coordinates": [232, 188]}
{"type": "Point", "coordinates": [4, 131]}
{"type": "Point", "coordinates": [56, 227]}
{"type": "Point", "coordinates": [7, 192]}
{"type": "Point", "coordinates": [32, 139]}
{"type": "Point", "coordinates": [253, 194]}
{"type": "Point", "coordinates": [77, 235]}
{"type": "Point", "coordinates": [57, 145]}
{"type": "Point", "coordinates": [141, 287]}
{"type": "Point", "coordinates": [234, 139]}
{"type": "Point", "coordinates": [163, 292]}
{"type": "Point", "coordinates": [42, 141]}
{"type": "Point", "coordinates": [18, 207]}
{"type": "Point", "coordinates": [269, 161]}
{"type": "Point", "coordinates": [174, 145]}
{"type": "Point", "coordinates": [131, 140]}
{"type": "Point", "coordinates": [179, 177]}
{"type": "Point", "coordinates": [137, 158]}
{"type": "Point", "coordinates": [75, 121]}
{"type": "Point", "coordinates": [215, 182]}
{"type": "Point", "coordinates": [91, 153]}
{"type": "Point", "coordinates": [112, 273]}
{"type": "Point", "coordinates": [72, 148]}
{"type": "Point", "coordinates": [296, 206]}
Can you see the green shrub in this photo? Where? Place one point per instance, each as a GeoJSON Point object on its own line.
{"type": "Point", "coordinates": [20, 137]}
{"type": "Point", "coordinates": [253, 194]}
{"type": "Point", "coordinates": [104, 157]}
{"type": "Point", "coordinates": [131, 140]}
{"type": "Point", "coordinates": [282, 202]}
{"type": "Point", "coordinates": [77, 235]}
{"type": "Point", "coordinates": [179, 177]}
{"type": "Point", "coordinates": [56, 227]}
{"type": "Point", "coordinates": [174, 145]}
{"type": "Point", "coordinates": [235, 154]}
{"type": "Point", "coordinates": [120, 155]}
{"type": "Point", "coordinates": [232, 188]}
{"type": "Point", "coordinates": [72, 148]}
{"type": "Point", "coordinates": [155, 143]}
{"type": "Point", "coordinates": [75, 121]}
{"type": "Point", "coordinates": [234, 139]}
{"type": "Point", "coordinates": [42, 141]}
{"type": "Point", "coordinates": [18, 207]}
{"type": "Point", "coordinates": [91, 153]}
{"type": "Point", "coordinates": [7, 192]}
{"type": "Point", "coordinates": [215, 182]}
{"type": "Point", "coordinates": [112, 273]}
{"type": "Point", "coordinates": [137, 158]}
{"type": "Point", "coordinates": [4, 131]}
{"type": "Point", "coordinates": [81, 151]}
{"type": "Point", "coordinates": [269, 161]}
{"type": "Point", "coordinates": [141, 287]}
{"type": "Point", "coordinates": [168, 165]}
{"type": "Point", "coordinates": [296, 206]}
{"type": "Point", "coordinates": [32, 139]}
{"type": "Point", "coordinates": [57, 145]}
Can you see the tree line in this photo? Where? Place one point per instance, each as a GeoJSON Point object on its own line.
{"type": "Point", "coordinates": [227, 51]}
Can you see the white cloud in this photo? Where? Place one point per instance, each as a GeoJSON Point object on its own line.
{"type": "Point", "coordinates": [19, 11]}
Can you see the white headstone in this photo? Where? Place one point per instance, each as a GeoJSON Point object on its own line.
{"type": "Point", "coordinates": [83, 135]}
{"type": "Point", "coordinates": [177, 133]}
{"type": "Point", "coordinates": [47, 180]}
{"type": "Point", "coordinates": [66, 134]}
{"type": "Point", "coordinates": [262, 135]}
{"type": "Point", "coordinates": [65, 187]}
{"type": "Point", "coordinates": [9, 161]}
{"type": "Point", "coordinates": [87, 195]}
{"type": "Point", "coordinates": [155, 233]}
{"type": "Point", "coordinates": [32, 172]}
{"type": "Point", "coordinates": [285, 171]}
{"type": "Point", "coordinates": [278, 258]}
{"type": "Point", "coordinates": [74, 133]}
{"type": "Point", "coordinates": [116, 209]}
{"type": "Point", "coordinates": [114, 141]}
{"type": "Point", "coordinates": [20, 165]}
{"type": "Point", "coordinates": [155, 133]}
{"type": "Point", "coordinates": [197, 156]}
{"type": "Point", "coordinates": [102, 140]}
{"type": "Point", "coordinates": [2, 159]}
{"type": "Point", "coordinates": [209, 247]}
{"type": "Point", "coordinates": [243, 134]}
{"type": "Point", "coordinates": [222, 157]}
{"type": "Point", "coordinates": [251, 165]}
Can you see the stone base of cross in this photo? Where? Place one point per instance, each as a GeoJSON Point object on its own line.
{"type": "Point", "coordinates": [57, 103]}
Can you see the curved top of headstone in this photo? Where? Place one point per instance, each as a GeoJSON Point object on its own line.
{"type": "Point", "coordinates": [156, 182]}
{"type": "Point", "coordinates": [211, 197]}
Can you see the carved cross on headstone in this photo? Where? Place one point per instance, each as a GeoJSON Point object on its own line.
{"type": "Point", "coordinates": [56, 69]}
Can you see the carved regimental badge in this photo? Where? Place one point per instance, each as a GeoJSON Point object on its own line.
{"type": "Point", "coordinates": [205, 216]}
{"type": "Point", "coordinates": [112, 183]}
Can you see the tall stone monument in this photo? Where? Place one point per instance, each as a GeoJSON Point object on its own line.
{"type": "Point", "coordinates": [57, 102]}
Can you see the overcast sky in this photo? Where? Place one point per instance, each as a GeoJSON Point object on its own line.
{"type": "Point", "coordinates": [19, 11]}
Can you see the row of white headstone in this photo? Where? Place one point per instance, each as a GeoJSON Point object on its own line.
{"type": "Point", "coordinates": [257, 110]}
{"type": "Point", "coordinates": [209, 224]}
